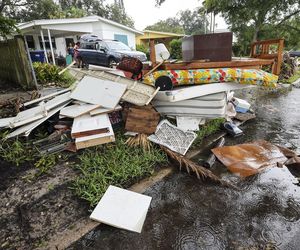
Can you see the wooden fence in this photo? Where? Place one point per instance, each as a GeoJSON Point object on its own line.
{"type": "Point", "coordinates": [14, 63]}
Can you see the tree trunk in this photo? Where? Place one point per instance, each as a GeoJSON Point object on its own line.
{"type": "Point", "coordinates": [255, 35]}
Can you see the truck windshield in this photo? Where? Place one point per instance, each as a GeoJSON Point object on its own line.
{"type": "Point", "coordinates": [117, 45]}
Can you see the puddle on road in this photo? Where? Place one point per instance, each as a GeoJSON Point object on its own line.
{"type": "Point", "coordinates": [186, 214]}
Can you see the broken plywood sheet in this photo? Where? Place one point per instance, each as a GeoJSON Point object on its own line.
{"type": "Point", "coordinates": [172, 137]}
{"type": "Point", "coordinates": [249, 158]}
{"type": "Point", "coordinates": [137, 93]}
{"type": "Point", "coordinates": [78, 110]}
{"type": "Point", "coordinates": [99, 111]}
{"type": "Point", "coordinates": [96, 91]}
{"type": "Point", "coordinates": [86, 125]}
{"type": "Point", "coordinates": [122, 209]}
{"type": "Point", "coordinates": [185, 93]}
{"type": "Point", "coordinates": [27, 129]}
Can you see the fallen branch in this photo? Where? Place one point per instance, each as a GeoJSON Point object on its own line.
{"type": "Point", "coordinates": [201, 172]}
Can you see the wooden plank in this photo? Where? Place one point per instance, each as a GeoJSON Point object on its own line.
{"type": "Point", "coordinates": [227, 64]}
{"type": "Point", "coordinates": [96, 91]}
{"type": "Point", "coordinates": [91, 132]}
{"type": "Point", "coordinates": [45, 97]}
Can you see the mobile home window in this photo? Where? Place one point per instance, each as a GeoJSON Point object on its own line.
{"type": "Point", "coordinates": [47, 44]}
{"type": "Point", "coordinates": [121, 38]}
{"type": "Point", "coordinates": [30, 42]}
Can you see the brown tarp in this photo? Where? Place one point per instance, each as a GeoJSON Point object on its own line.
{"type": "Point", "coordinates": [249, 158]}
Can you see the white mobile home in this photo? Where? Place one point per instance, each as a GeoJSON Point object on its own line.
{"type": "Point", "coordinates": [62, 32]}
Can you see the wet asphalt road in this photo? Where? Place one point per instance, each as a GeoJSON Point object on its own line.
{"type": "Point", "coordinates": [188, 214]}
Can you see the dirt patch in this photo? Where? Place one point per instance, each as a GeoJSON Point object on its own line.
{"type": "Point", "coordinates": [32, 211]}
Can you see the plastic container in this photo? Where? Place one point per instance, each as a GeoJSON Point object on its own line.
{"type": "Point", "coordinates": [37, 56]}
{"type": "Point", "coordinates": [161, 52]}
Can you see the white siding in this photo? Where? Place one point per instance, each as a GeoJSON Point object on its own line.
{"type": "Point", "coordinates": [107, 31]}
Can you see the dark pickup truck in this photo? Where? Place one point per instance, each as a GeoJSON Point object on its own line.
{"type": "Point", "coordinates": [106, 52]}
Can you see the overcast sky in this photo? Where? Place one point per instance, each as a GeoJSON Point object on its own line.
{"type": "Point", "coordinates": [144, 12]}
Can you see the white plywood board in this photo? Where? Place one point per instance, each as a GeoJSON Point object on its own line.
{"type": "Point", "coordinates": [87, 123]}
{"type": "Point", "coordinates": [97, 91]}
{"type": "Point", "coordinates": [78, 110]}
{"type": "Point", "coordinates": [27, 129]}
{"type": "Point", "coordinates": [99, 111]}
{"type": "Point", "coordinates": [185, 93]}
{"type": "Point", "coordinates": [122, 209]}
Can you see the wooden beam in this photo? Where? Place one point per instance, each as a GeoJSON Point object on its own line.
{"type": "Point", "coordinates": [227, 64]}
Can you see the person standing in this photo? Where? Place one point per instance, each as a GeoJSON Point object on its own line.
{"type": "Point", "coordinates": [77, 55]}
{"type": "Point", "coordinates": [70, 50]}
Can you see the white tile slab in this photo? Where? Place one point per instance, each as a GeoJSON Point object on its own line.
{"type": "Point", "coordinates": [97, 91]}
{"type": "Point", "coordinates": [122, 209]}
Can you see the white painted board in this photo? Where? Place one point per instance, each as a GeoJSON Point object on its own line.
{"type": "Point", "coordinates": [99, 111]}
{"type": "Point", "coordinates": [97, 91]}
{"type": "Point", "coordinates": [185, 93]}
{"type": "Point", "coordinates": [122, 209]}
{"type": "Point", "coordinates": [78, 110]}
{"type": "Point", "coordinates": [87, 123]}
{"type": "Point", "coordinates": [4, 122]}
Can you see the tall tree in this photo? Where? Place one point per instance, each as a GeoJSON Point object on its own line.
{"type": "Point", "coordinates": [169, 25]}
{"type": "Point", "coordinates": [119, 15]}
{"type": "Point", "coordinates": [254, 13]}
{"type": "Point", "coordinates": [187, 22]}
{"type": "Point", "coordinates": [7, 26]}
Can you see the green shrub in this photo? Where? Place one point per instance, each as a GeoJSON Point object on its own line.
{"type": "Point", "coordinates": [142, 48]}
{"type": "Point", "coordinates": [176, 48]}
{"type": "Point", "coordinates": [48, 73]}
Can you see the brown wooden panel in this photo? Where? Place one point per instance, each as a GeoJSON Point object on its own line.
{"type": "Point", "coordinates": [142, 120]}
